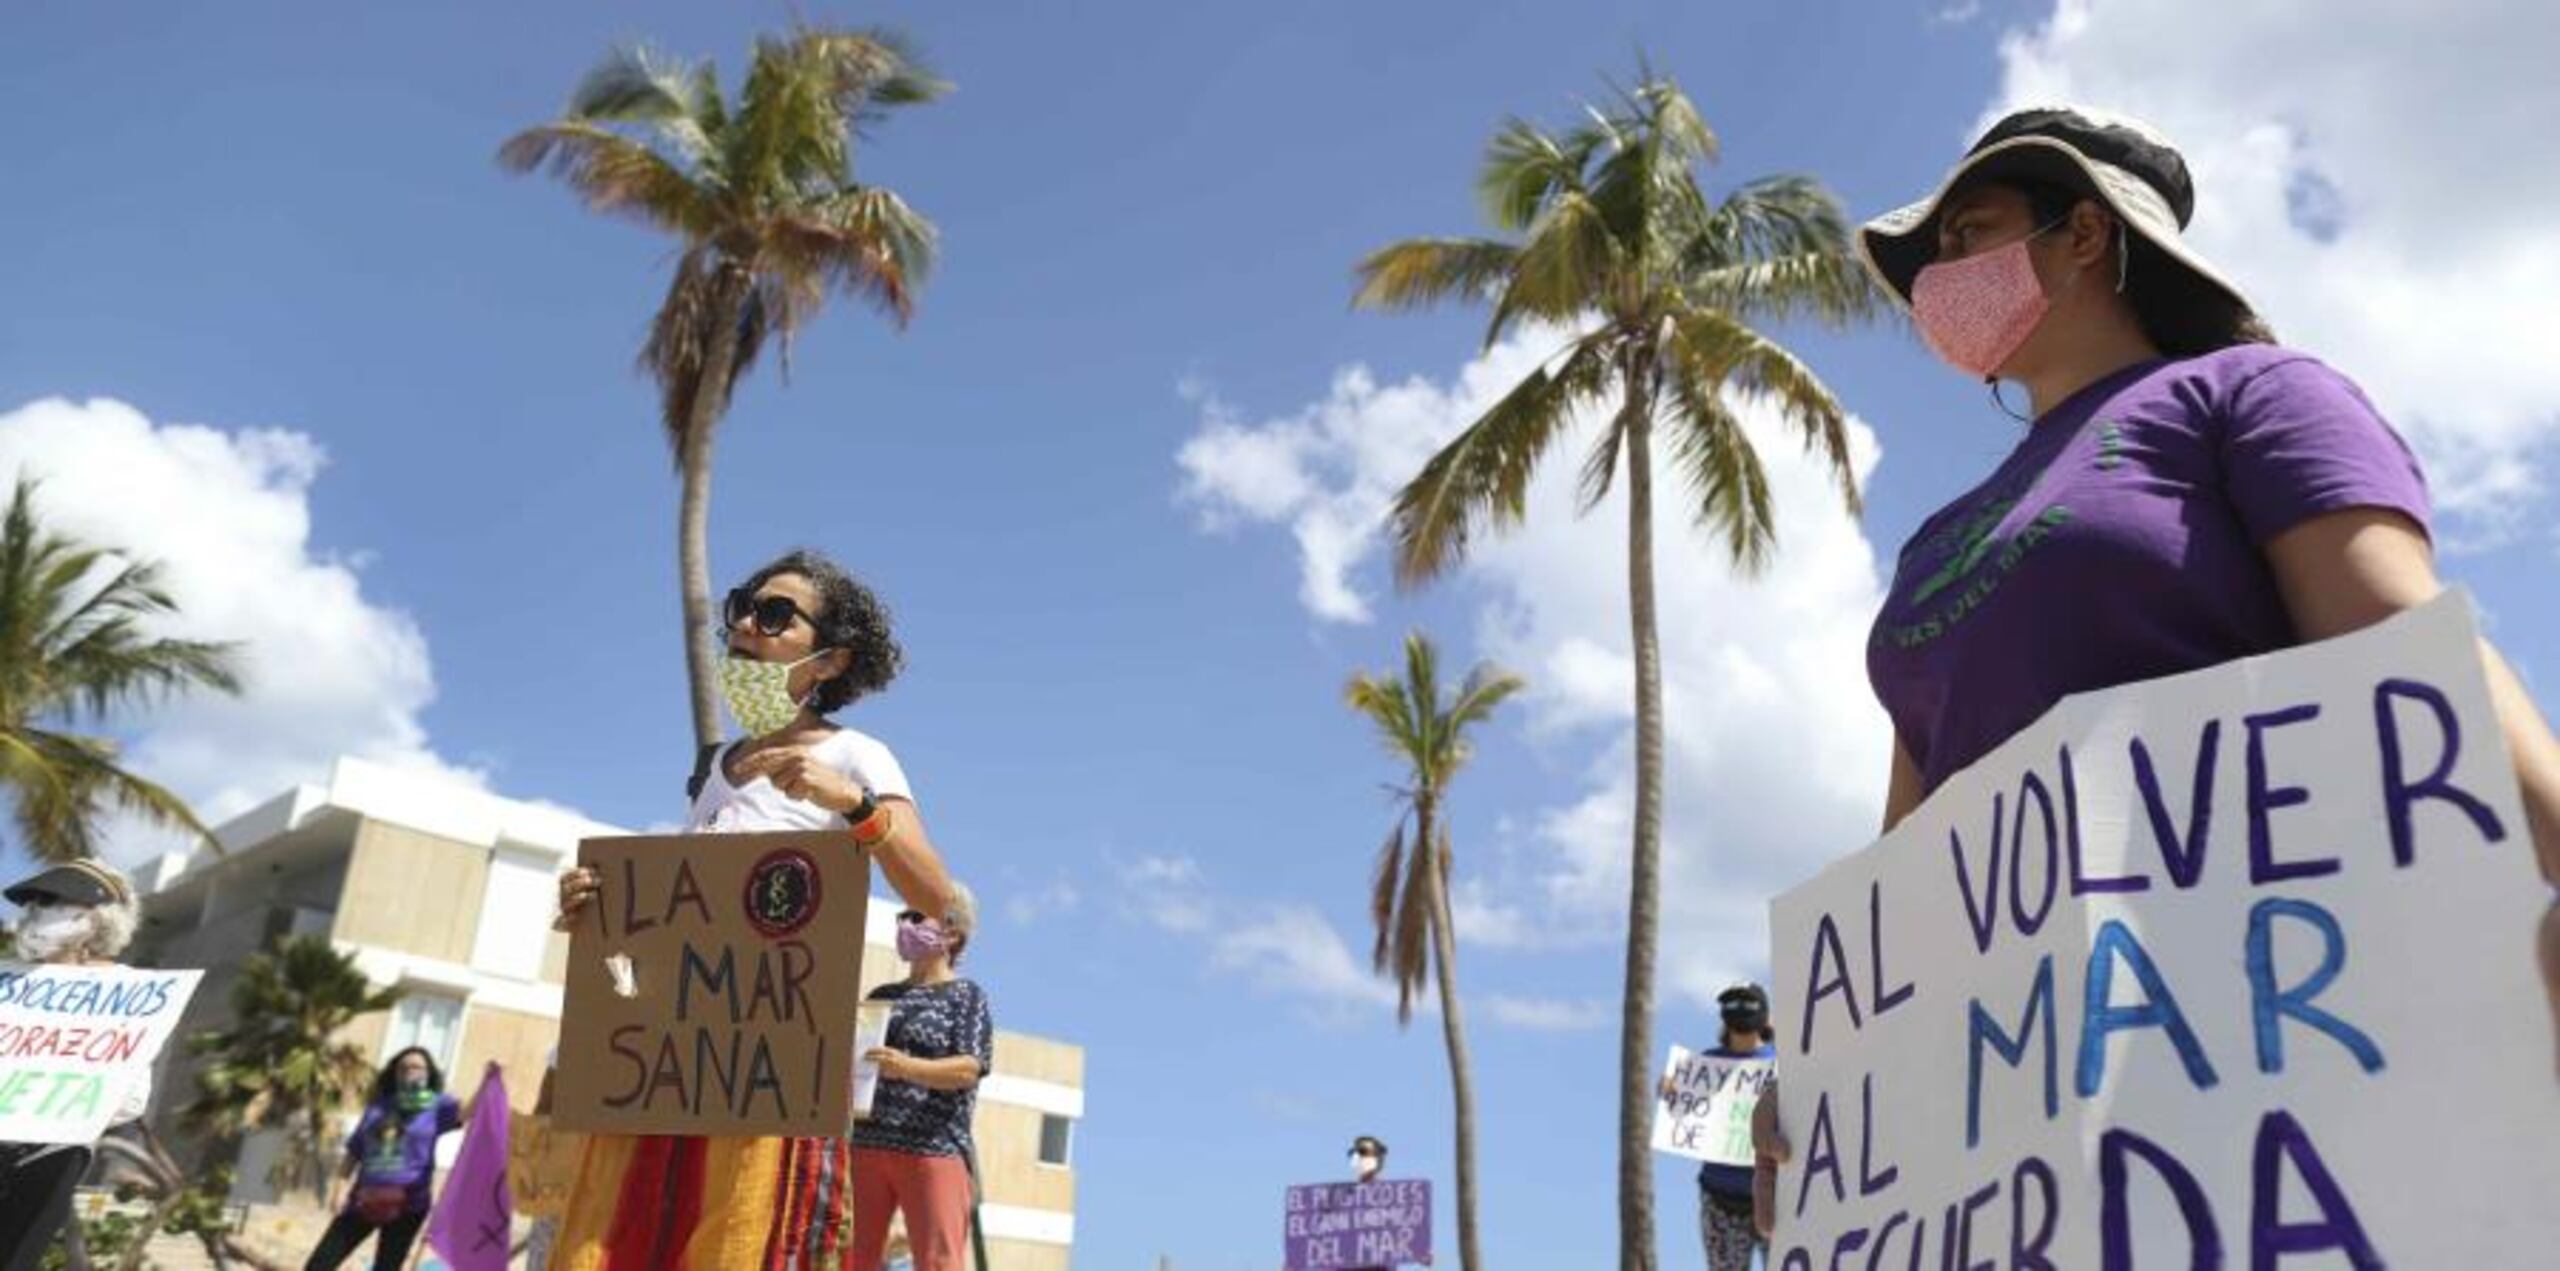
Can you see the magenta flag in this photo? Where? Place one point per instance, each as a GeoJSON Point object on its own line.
{"type": "Point", "coordinates": [471, 1228]}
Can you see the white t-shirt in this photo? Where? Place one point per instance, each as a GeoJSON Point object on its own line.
{"type": "Point", "coordinates": [757, 807]}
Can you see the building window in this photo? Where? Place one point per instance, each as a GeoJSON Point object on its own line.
{"type": "Point", "coordinates": [1057, 1134]}
{"type": "Point", "coordinates": [429, 1021]}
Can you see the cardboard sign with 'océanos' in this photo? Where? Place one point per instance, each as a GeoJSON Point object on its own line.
{"type": "Point", "coordinates": [712, 986]}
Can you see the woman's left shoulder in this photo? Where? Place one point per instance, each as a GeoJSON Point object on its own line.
{"type": "Point", "coordinates": [2227, 374]}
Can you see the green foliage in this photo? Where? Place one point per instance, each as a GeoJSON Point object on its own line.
{"type": "Point", "coordinates": [280, 1065]}
{"type": "Point", "coordinates": [760, 190]}
{"type": "Point", "coordinates": [75, 645]}
{"type": "Point", "coordinates": [1426, 730]}
{"type": "Point", "coordinates": [1666, 291]}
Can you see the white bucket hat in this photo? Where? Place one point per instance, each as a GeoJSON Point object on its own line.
{"type": "Point", "coordinates": [2123, 163]}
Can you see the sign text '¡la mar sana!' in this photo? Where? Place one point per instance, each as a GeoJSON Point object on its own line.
{"type": "Point", "coordinates": [716, 1047]}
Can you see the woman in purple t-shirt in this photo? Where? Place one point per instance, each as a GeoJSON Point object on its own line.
{"type": "Point", "coordinates": [2186, 491]}
{"type": "Point", "coordinates": [391, 1158]}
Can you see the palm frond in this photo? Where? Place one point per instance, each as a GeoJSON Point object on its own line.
{"type": "Point", "coordinates": [1421, 687]}
{"type": "Point", "coordinates": [1599, 467]}
{"type": "Point", "coordinates": [862, 241]}
{"type": "Point", "coordinates": [1383, 878]}
{"type": "Point", "coordinates": [634, 84]}
{"type": "Point", "coordinates": [619, 176]}
{"type": "Point", "coordinates": [1718, 352]}
{"type": "Point", "coordinates": [1570, 265]}
{"type": "Point", "coordinates": [1524, 168]}
{"type": "Point", "coordinates": [1411, 955]}
{"type": "Point", "coordinates": [1482, 476]}
{"type": "Point", "coordinates": [1709, 446]}
{"type": "Point", "coordinates": [1425, 271]}
{"type": "Point", "coordinates": [1779, 248]}
{"type": "Point", "coordinates": [707, 291]}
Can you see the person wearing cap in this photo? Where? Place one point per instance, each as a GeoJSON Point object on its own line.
{"type": "Point", "coordinates": [1368, 1158]}
{"type": "Point", "coordinates": [2186, 491]}
{"type": "Point", "coordinates": [912, 1154]}
{"type": "Point", "coordinates": [82, 913]}
{"type": "Point", "coordinates": [1724, 1191]}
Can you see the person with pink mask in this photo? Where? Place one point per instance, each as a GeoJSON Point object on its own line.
{"type": "Point", "coordinates": [913, 1153]}
{"type": "Point", "coordinates": [2184, 491]}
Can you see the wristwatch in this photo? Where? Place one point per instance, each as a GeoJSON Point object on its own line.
{"type": "Point", "coordinates": [861, 811]}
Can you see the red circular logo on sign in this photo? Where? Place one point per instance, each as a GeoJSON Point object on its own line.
{"type": "Point", "coordinates": [782, 892]}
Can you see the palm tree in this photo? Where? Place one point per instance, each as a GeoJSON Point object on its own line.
{"type": "Point", "coordinates": [1666, 293]}
{"type": "Point", "coordinates": [280, 1065]}
{"type": "Point", "coordinates": [73, 647]}
{"type": "Point", "coordinates": [761, 192]}
{"type": "Point", "coordinates": [1409, 896]}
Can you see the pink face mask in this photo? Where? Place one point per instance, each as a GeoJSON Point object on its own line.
{"type": "Point", "coordinates": [1975, 312]}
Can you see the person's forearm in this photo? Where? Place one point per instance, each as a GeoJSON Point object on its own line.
{"type": "Point", "coordinates": [908, 860]}
{"type": "Point", "coordinates": [958, 1072]}
{"type": "Point", "coordinates": [2537, 758]}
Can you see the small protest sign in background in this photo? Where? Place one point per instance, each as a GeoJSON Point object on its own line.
{"type": "Point", "coordinates": [712, 986]}
{"type": "Point", "coordinates": [2234, 968]}
{"type": "Point", "coordinates": [1384, 1223]}
{"type": "Point", "coordinates": [75, 1039]}
{"type": "Point", "coordinates": [1706, 1114]}
{"type": "Point", "coordinates": [542, 1164]}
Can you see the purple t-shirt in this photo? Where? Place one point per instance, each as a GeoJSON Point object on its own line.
{"type": "Point", "coordinates": [392, 1148]}
{"type": "Point", "coordinates": [2121, 541]}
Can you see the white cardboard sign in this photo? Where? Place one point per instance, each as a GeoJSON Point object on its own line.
{"type": "Point", "coordinates": [2234, 968]}
{"type": "Point", "coordinates": [75, 1039]}
{"type": "Point", "coordinates": [1706, 1115]}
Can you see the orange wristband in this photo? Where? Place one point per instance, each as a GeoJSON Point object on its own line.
{"type": "Point", "coordinates": [870, 830]}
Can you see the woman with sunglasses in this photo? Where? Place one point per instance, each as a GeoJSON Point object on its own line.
{"type": "Point", "coordinates": [805, 640]}
{"type": "Point", "coordinates": [912, 1153]}
{"type": "Point", "coordinates": [2185, 491]}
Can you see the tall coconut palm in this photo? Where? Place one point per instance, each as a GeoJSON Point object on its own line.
{"type": "Point", "coordinates": [762, 195]}
{"type": "Point", "coordinates": [74, 646]}
{"type": "Point", "coordinates": [281, 1065]}
{"type": "Point", "coordinates": [1409, 893]}
{"type": "Point", "coordinates": [1667, 293]}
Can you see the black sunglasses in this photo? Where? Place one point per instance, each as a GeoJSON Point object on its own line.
{"type": "Point", "coordinates": [772, 614]}
{"type": "Point", "coordinates": [910, 916]}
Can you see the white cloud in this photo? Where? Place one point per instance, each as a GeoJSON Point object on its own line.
{"type": "Point", "coordinates": [2371, 171]}
{"type": "Point", "coordinates": [1955, 14]}
{"type": "Point", "coordinates": [1295, 950]}
{"type": "Point", "coordinates": [1027, 905]}
{"type": "Point", "coordinates": [227, 512]}
{"type": "Point", "coordinates": [1775, 751]}
{"type": "Point", "coordinates": [1549, 1015]}
{"type": "Point", "coordinates": [1292, 950]}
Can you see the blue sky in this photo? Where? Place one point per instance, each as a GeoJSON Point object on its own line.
{"type": "Point", "coordinates": [1105, 479]}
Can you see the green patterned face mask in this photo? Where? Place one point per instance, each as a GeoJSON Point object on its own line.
{"type": "Point", "coordinates": [759, 693]}
{"type": "Point", "coordinates": [416, 1097]}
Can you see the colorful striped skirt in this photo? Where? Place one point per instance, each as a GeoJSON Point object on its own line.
{"type": "Point", "coordinates": [663, 1203]}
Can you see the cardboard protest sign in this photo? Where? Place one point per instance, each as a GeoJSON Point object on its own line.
{"type": "Point", "coordinates": [542, 1164]}
{"type": "Point", "coordinates": [712, 986]}
{"type": "Point", "coordinates": [1707, 1115]}
{"type": "Point", "coordinates": [75, 1040]}
{"type": "Point", "coordinates": [2231, 968]}
{"type": "Point", "coordinates": [1376, 1224]}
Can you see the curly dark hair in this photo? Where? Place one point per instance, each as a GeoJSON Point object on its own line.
{"type": "Point", "coordinates": [849, 617]}
{"type": "Point", "coordinates": [386, 1084]}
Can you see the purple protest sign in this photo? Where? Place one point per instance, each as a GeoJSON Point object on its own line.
{"type": "Point", "coordinates": [1379, 1224]}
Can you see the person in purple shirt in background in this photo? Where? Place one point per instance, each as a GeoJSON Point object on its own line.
{"type": "Point", "coordinates": [392, 1158]}
{"type": "Point", "coordinates": [2184, 492]}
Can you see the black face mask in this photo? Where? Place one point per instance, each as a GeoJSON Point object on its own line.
{"type": "Point", "coordinates": [1746, 1021]}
